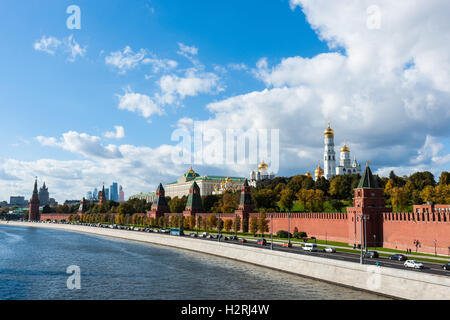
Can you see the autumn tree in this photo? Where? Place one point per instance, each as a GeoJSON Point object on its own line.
{"type": "Point", "coordinates": [254, 224]}
{"type": "Point", "coordinates": [263, 224]}
{"type": "Point", "coordinates": [228, 224]}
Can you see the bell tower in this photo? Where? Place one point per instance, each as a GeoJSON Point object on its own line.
{"type": "Point", "coordinates": [329, 156]}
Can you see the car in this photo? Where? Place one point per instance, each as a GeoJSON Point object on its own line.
{"type": "Point", "coordinates": [205, 235]}
{"type": "Point", "coordinates": [193, 235]}
{"type": "Point", "coordinates": [262, 242]}
{"type": "Point", "coordinates": [233, 238]}
{"type": "Point", "coordinates": [242, 240]}
{"type": "Point", "coordinates": [398, 257]}
{"type": "Point", "coordinates": [329, 250]}
{"type": "Point", "coordinates": [312, 247]}
{"type": "Point", "coordinates": [446, 266]}
{"type": "Point", "coordinates": [287, 245]}
{"type": "Point", "coordinates": [371, 254]}
{"type": "Point", "coordinates": [413, 264]}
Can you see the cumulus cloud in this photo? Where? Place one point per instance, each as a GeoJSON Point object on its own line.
{"type": "Point", "coordinates": [140, 103]}
{"type": "Point", "coordinates": [74, 48]}
{"type": "Point", "coordinates": [191, 84]}
{"type": "Point", "coordinates": [385, 90]}
{"type": "Point", "coordinates": [119, 133]}
{"type": "Point", "coordinates": [83, 144]}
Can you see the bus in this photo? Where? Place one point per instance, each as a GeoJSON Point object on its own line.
{"type": "Point", "coordinates": [176, 232]}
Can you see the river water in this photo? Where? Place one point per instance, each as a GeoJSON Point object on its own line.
{"type": "Point", "coordinates": [34, 261]}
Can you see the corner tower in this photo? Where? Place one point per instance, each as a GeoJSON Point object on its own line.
{"type": "Point", "coordinates": [194, 201]}
{"type": "Point", "coordinates": [329, 156]}
{"type": "Point", "coordinates": [159, 206]}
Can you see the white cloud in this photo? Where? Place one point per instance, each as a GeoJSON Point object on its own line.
{"type": "Point", "coordinates": [140, 103]}
{"type": "Point", "coordinates": [47, 44]}
{"type": "Point", "coordinates": [126, 59]}
{"type": "Point", "coordinates": [74, 48]}
{"type": "Point", "coordinates": [51, 44]}
{"type": "Point", "coordinates": [187, 50]}
{"type": "Point", "coordinates": [119, 133]}
{"type": "Point", "coordinates": [82, 143]}
{"type": "Point", "coordinates": [193, 83]}
{"type": "Point", "coordinates": [160, 64]}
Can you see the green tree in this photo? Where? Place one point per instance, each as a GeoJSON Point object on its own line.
{"type": "Point", "coordinates": [254, 224]}
{"type": "Point", "coordinates": [444, 179]}
{"type": "Point", "coordinates": [287, 198]}
{"type": "Point", "coordinates": [177, 205]}
{"type": "Point", "coordinates": [263, 224]}
{"type": "Point", "coordinates": [228, 224]}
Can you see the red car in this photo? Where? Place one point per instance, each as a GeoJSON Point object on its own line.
{"type": "Point", "coordinates": [287, 245]}
{"type": "Point", "coordinates": [262, 242]}
{"type": "Point", "coordinates": [242, 240]}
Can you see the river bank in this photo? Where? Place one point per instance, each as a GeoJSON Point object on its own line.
{"type": "Point", "coordinates": [403, 284]}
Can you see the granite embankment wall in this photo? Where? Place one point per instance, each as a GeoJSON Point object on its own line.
{"type": "Point", "coordinates": [387, 281]}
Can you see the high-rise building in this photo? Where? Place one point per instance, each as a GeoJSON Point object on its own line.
{"type": "Point", "coordinates": [89, 195]}
{"type": "Point", "coordinates": [44, 196]}
{"type": "Point", "coordinates": [107, 194]}
{"type": "Point", "coordinates": [17, 201]}
{"type": "Point", "coordinates": [114, 192]}
{"type": "Point", "coordinates": [95, 194]}
{"type": "Point", "coordinates": [121, 194]}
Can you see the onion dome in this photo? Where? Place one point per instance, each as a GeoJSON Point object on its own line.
{"type": "Point", "coordinates": [328, 131]}
{"type": "Point", "coordinates": [318, 172]}
{"type": "Point", "coordinates": [308, 174]}
{"type": "Point", "coordinates": [262, 165]}
{"type": "Point", "coordinates": [345, 148]}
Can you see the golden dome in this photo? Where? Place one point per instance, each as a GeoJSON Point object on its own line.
{"type": "Point", "coordinates": [308, 174]}
{"type": "Point", "coordinates": [328, 131]}
{"type": "Point", "coordinates": [345, 148]}
{"type": "Point", "coordinates": [318, 172]}
{"type": "Point", "coordinates": [262, 165]}
{"type": "Point", "coordinates": [191, 170]}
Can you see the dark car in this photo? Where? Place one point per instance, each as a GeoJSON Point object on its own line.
{"type": "Point", "coordinates": [193, 235]}
{"type": "Point", "coordinates": [233, 238]}
{"type": "Point", "coordinates": [446, 266]}
{"type": "Point", "coordinates": [242, 240]}
{"type": "Point", "coordinates": [398, 257]}
{"type": "Point", "coordinates": [262, 242]}
{"type": "Point", "coordinates": [371, 254]}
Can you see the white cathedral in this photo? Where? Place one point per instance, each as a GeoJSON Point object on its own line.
{"type": "Point", "coordinates": [261, 175]}
{"type": "Point", "coordinates": [346, 166]}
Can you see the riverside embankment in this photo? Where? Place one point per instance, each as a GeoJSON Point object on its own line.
{"type": "Point", "coordinates": [387, 281]}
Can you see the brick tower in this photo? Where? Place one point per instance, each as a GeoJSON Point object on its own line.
{"type": "Point", "coordinates": [194, 201]}
{"type": "Point", "coordinates": [159, 206]}
{"type": "Point", "coordinates": [368, 202]}
{"type": "Point", "coordinates": [34, 214]}
{"type": "Point", "coordinates": [245, 204]}
{"type": "Point", "coordinates": [102, 196]}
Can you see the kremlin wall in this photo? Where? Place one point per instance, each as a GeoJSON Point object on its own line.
{"type": "Point", "coordinates": [427, 229]}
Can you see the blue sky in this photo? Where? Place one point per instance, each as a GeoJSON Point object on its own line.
{"type": "Point", "coordinates": [278, 64]}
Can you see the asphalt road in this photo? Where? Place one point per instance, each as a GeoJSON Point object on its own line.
{"type": "Point", "coordinates": [432, 268]}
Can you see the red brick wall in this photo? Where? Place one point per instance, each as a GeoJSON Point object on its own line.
{"type": "Point", "coordinates": [55, 216]}
{"type": "Point", "coordinates": [401, 229]}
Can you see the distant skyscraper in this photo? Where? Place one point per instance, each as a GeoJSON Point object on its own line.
{"type": "Point", "coordinates": [121, 194]}
{"type": "Point", "coordinates": [17, 201]}
{"type": "Point", "coordinates": [114, 192]}
{"type": "Point", "coordinates": [89, 195]}
{"type": "Point", "coordinates": [107, 194]}
{"type": "Point", "coordinates": [44, 196]}
{"type": "Point", "coordinates": [95, 194]}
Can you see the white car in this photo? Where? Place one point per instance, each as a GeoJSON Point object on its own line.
{"type": "Point", "coordinates": [312, 247]}
{"type": "Point", "coordinates": [413, 264]}
{"type": "Point", "coordinates": [329, 250]}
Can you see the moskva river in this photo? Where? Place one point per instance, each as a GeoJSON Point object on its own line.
{"type": "Point", "coordinates": [34, 263]}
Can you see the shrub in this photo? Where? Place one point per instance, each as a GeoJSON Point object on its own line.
{"type": "Point", "coordinates": [283, 234]}
{"type": "Point", "coordinates": [300, 235]}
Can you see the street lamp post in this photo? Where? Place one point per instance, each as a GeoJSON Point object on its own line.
{"type": "Point", "coordinates": [271, 231]}
{"type": "Point", "coordinates": [235, 225]}
{"type": "Point", "coordinates": [289, 228]}
{"type": "Point", "coordinates": [435, 252]}
{"type": "Point", "coordinates": [218, 226]}
{"type": "Point", "coordinates": [326, 239]}
{"type": "Point", "coordinates": [361, 259]}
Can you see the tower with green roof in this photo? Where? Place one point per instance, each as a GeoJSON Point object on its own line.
{"type": "Point", "coordinates": [159, 206]}
{"type": "Point", "coordinates": [194, 201]}
{"type": "Point", "coordinates": [368, 202]}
